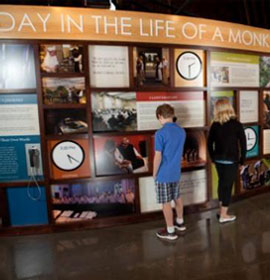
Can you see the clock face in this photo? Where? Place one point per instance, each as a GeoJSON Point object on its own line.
{"type": "Point", "coordinates": [67, 155]}
{"type": "Point", "coordinates": [251, 138]}
{"type": "Point", "coordinates": [189, 65]}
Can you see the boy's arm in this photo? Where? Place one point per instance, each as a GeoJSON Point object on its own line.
{"type": "Point", "coordinates": [157, 161]}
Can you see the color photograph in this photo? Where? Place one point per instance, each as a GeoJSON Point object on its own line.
{"type": "Point", "coordinates": [68, 121]}
{"type": "Point", "coordinates": [17, 67]}
{"type": "Point", "coordinates": [255, 174]}
{"type": "Point", "coordinates": [64, 58]}
{"type": "Point", "coordinates": [114, 111]}
{"type": "Point", "coordinates": [121, 154]}
{"type": "Point", "coordinates": [87, 201]}
{"type": "Point", "coordinates": [64, 91]}
{"type": "Point", "coordinates": [264, 71]}
{"type": "Point", "coordinates": [151, 66]}
{"type": "Point", "coordinates": [266, 109]}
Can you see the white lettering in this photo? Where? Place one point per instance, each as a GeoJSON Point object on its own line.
{"type": "Point", "coordinates": [218, 34]}
{"type": "Point", "coordinates": [62, 23]}
{"type": "Point", "coordinates": [78, 26]}
{"type": "Point", "coordinates": [202, 29]}
{"type": "Point", "coordinates": [192, 27]}
{"type": "Point", "coordinates": [97, 23]}
{"type": "Point", "coordinates": [107, 24]}
{"type": "Point", "coordinates": [168, 28]}
{"type": "Point", "coordinates": [125, 25]}
{"type": "Point", "coordinates": [142, 33]}
{"type": "Point", "coordinates": [235, 38]}
{"type": "Point", "coordinates": [44, 21]}
{"type": "Point", "coordinates": [11, 27]}
{"type": "Point", "coordinates": [158, 26]}
{"type": "Point", "coordinates": [26, 22]}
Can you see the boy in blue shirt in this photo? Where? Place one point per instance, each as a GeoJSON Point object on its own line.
{"type": "Point", "coordinates": [169, 144]}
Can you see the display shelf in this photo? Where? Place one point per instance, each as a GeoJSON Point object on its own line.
{"type": "Point", "coordinates": [20, 184]}
{"type": "Point", "coordinates": [67, 136]}
{"type": "Point", "coordinates": [64, 106]}
{"type": "Point", "coordinates": [18, 91]}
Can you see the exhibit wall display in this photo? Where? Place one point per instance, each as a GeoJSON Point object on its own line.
{"type": "Point", "coordinates": [78, 98]}
{"type": "Point", "coordinates": [109, 66]}
{"type": "Point", "coordinates": [121, 154]}
{"type": "Point", "coordinates": [266, 141]}
{"type": "Point", "coordinates": [231, 69]}
{"type": "Point", "coordinates": [114, 111]}
{"type": "Point", "coordinates": [264, 71]}
{"type": "Point", "coordinates": [17, 67]}
{"type": "Point", "coordinates": [64, 58]}
{"type": "Point", "coordinates": [189, 68]}
{"type": "Point", "coordinates": [249, 106]}
{"type": "Point", "coordinates": [193, 188]}
{"type": "Point", "coordinates": [20, 150]}
{"type": "Point", "coordinates": [189, 108]}
{"type": "Point", "coordinates": [88, 201]}
{"type": "Point", "coordinates": [255, 174]}
{"type": "Point", "coordinates": [151, 66]}
{"type": "Point", "coordinates": [69, 158]}
{"type": "Point", "coordinates": [252, 138]}
{"type": "Point", "coordinates": [63, 90]}
{"type": "Point", "coordinates": [266, 109]}
{"type": "Point", "coordinates": [216, 95]}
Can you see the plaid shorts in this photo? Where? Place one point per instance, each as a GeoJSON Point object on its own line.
{"type": "Point", "coordinates": [166, 192]}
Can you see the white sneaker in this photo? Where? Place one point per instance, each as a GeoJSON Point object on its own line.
{"type": "Point", "coordinates": [226, 220]}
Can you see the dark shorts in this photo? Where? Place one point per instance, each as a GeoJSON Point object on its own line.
{"type": "Point", "coordinates": [166, 192]}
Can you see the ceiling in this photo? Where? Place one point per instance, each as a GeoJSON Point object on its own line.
{"type": "Point", "coordinates": [248, 12]}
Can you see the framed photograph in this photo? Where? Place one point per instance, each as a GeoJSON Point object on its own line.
{"type": "Point", "coordinates": [121, 154]}
{"type": "Point", "coordinates": [109, 66]}
{"type": "Point", "coordinates": [266, 141]}
{"type": "Point", "coordinates": [255, 174]}
{"type": "Point", "coordinates": [249, 106]}
{"type": "Point", "coordinates": [69, 158]}
{"type": "Point", "coordinates": [151, 66]}
{"type": "Point", "coordinates": [63, 91]}
{"type": "Point", "coordinates": [189, 68]}
{"type": "Point", "coordinates": [114, 111]}
{"type": "Point", "coordinates": [64, 58]}
{"type": "Point", "coordinates": [266, 109]}
{"type": "Point", "coordinates": [234, 70]}
{"type": "Point", "coordinates": [264, 71]}
{"type": "Point", "coordinates": [193, 188]}
{"type": "Point", "coordinates": [65, 121]}
{"type": "Point", "coordinates": [92, 200]}
{"type": "Point", "coordinates": [216, 95]}
{"type": "Point", "coordinates": [17, 67]}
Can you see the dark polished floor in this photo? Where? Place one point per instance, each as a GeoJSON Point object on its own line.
{"type": "Point", "coordinates": [207, 251]}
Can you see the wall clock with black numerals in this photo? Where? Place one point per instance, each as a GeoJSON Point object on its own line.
{"type": "Point", "coordinates": [189, 65]}
{"type": "Point", "coordinates": [67, 155]}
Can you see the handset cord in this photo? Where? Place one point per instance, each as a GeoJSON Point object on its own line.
{"type": "Point", "coordinates": [33, 178]}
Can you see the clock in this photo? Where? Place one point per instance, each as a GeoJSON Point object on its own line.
{"type": "Point", "coordinates": [251, 137]}
{"type": "Point", "coordinates": [67, 155]}
{"type": "Point", "coordinates": [189, 65]}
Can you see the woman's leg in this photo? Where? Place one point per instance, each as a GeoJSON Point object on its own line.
{"type": "Point", "coordinates": [226, 174]}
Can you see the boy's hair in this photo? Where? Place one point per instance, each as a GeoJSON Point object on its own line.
{"type": "Point", "coordinates": [165, 110]}
{"type": "Point", "coordinates": [223, 111]}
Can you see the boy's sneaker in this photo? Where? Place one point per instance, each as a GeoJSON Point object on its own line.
{"type": "Point", "coordinates": [164, 234]}
{"type": "Point", "coordinates": [180, 227]}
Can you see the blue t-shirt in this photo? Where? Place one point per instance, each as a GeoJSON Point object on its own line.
{"type": "Point", "coordinates": [169, 140]}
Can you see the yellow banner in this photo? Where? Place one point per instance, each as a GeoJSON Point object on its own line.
{"type": "Point", "coordinates": [36, 22]}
